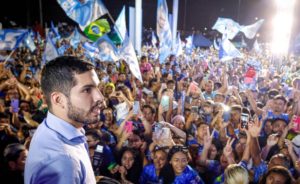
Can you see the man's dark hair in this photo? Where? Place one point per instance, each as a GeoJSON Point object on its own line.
{"type": "Point", "coordinates": [245, 110]}
{"type": "Point", "coordinates": [153, 111]}
{"type": "Point", "coordinates": [12, 152]}
{"type": "Point", "coordinates": [59, 75]}
{"type": "Point", "coordinates": [4, 115]}
{"type": "Point", "coordinates": [94, 133]}
{"type": "Point", "coordinates": [170, 82]}
{"type": "Point", "coordinates": [278, 170]}
{"type": "Point", "coordinates": [151, 82]}
{"type": "Point", "coordinates": [143, 57]}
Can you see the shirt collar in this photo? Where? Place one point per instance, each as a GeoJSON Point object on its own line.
{"type": "Point", "coordinates": [64, 128]}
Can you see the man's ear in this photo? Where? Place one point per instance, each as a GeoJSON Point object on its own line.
{"type": "Point", "coordinates": [58, 99]}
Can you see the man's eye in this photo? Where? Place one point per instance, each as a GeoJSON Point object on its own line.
{"type": "Point", "coordinates": [87, 90]}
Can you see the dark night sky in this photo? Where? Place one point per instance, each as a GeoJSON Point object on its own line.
{"type": "Point", "coordinates": [198, 13]}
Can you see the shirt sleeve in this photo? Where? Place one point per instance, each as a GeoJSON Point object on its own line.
{"type": "Point", "coordinates": [259, 171]}
{"type": "Point", "coordinates": [143, 177]}
{"type": "Point", "coordinates": [63, 169]}
{"type": "Point", "coordinates": [213, 165]}
{"type": "Point", "coordinates": [195, 179]}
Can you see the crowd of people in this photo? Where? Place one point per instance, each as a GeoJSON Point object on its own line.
{"type": "Point", "coordinates": [193, 118]}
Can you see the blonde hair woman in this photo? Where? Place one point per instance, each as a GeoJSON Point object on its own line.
{"type": "Point", "coordinates": [236, 174]}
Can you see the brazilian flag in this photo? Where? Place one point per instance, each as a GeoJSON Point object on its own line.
{"type": "Point", "coordinates": [97, 29]}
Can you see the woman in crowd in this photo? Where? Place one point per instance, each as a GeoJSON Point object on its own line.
{"type": "Point", "coordinates": [178, 170]}
{"type": "Point", "coordinates": [278, 175]}
{"type": "Point", "coordinates": [130, 166]}
{"type": "Point", "coordinates": [152, 171]}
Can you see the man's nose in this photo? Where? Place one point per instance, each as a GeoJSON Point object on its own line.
{"type": "Point", "coordinates": [98, 95]}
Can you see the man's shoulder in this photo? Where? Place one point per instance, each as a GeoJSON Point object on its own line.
{"type": "Point", "coordinates": [51, 168]}
{"type": "Point", "coordinates": [43, 135]}
{"type": "Point", "coordinates": [45, 142]}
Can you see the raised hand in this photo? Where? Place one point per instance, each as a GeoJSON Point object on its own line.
{"type": "Point", "coordinates": [272, 140]}
{"type": "Point", "coordinates": [228, 148]}
{"type": "Point", "coordinates": [11, 82]}
{"type": "Point", "coordinates": [208, 139]}
{"type": "Point", "coordinates": [296, 95]}
{"type": "Point", "coordinates": [125, 136]}
{"type": "Point", "coordinates": [255, 127]}
{"type": "Point", "coordinates": [192, 117]}
{"type": "Point", "coordinates": [289, 146]}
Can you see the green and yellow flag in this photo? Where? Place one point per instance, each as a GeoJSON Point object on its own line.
{"type": "Point", "coordinates": [97, 29]}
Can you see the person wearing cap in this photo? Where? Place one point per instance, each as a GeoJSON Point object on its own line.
{"type": "Point", "coordinates": [219, 98]}
{"type": "Point", "coordinates": [109, 89]}
{"type": "Point", "coordinates": [272, 93]}
{"type": "Point", "coordinates": [278, 125]}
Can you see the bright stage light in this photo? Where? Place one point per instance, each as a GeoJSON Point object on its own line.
{"type": "Point", "coordinates": [282, 26]}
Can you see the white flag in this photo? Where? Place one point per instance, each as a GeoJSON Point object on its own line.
{"type": "Point", "coordinates": [251, 30]}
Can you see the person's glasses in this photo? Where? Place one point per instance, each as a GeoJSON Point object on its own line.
{"type": "Point", "coordinates": [164, 148]}
{"type": "Point", "coordinates": [178, 148]}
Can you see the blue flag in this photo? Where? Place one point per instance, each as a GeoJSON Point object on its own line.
{"type": "Point", "coordinates": [228, 51]}
{"type": "Point", "coordinates": [153, 39]}
{"type": "Point", "coordinates": [53, 33]}
{"type": "Point", "coordinates": [38, 37]}
{"type": "Point", "coordinates": [83, 12]}
{"type": "Point", "coordinates": [75, 39]}
{"type": "Point", "coordinates": [50, 51]}
{"type": "Point", "coordinates": [189, 46]}
{"type": "Point", "coordinates": [20, 40]}
{"type": "Point", "coordinates": [163, 30]}
{"type": "Point", "coordinates": [29, 42]}
{"type": "Point", "coordinates": [90, 50]}
{"type": "Point", "coordinates": [227, 27]}
{"type": "Point", "coordinates": [256, 48]}
{"type": "Point", "coordinates": [11, 34]}
{"type": "Point", "coordinates": [243, 43]}
{"type": "Point", "coordinates": [62, 49]}
{"type": "Point", "coordinates": [10, 39]}
{"type": "Point", "coordinates": [178, 46]}
{"type": "Point", "coordinates": [216, 46]}
{"type": "Point", "coordinates": [251, 30]}
{"type": "Point", "coordinates": [107, 50]}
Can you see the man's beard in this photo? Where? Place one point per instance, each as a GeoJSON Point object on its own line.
{"type": "Point", "coordinates": [77, 114]}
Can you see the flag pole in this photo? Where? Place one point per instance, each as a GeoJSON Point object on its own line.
{"type": "Point", "coordinates": [7, 58]}
{"type": "Point", "coordinates": [114, 22]}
